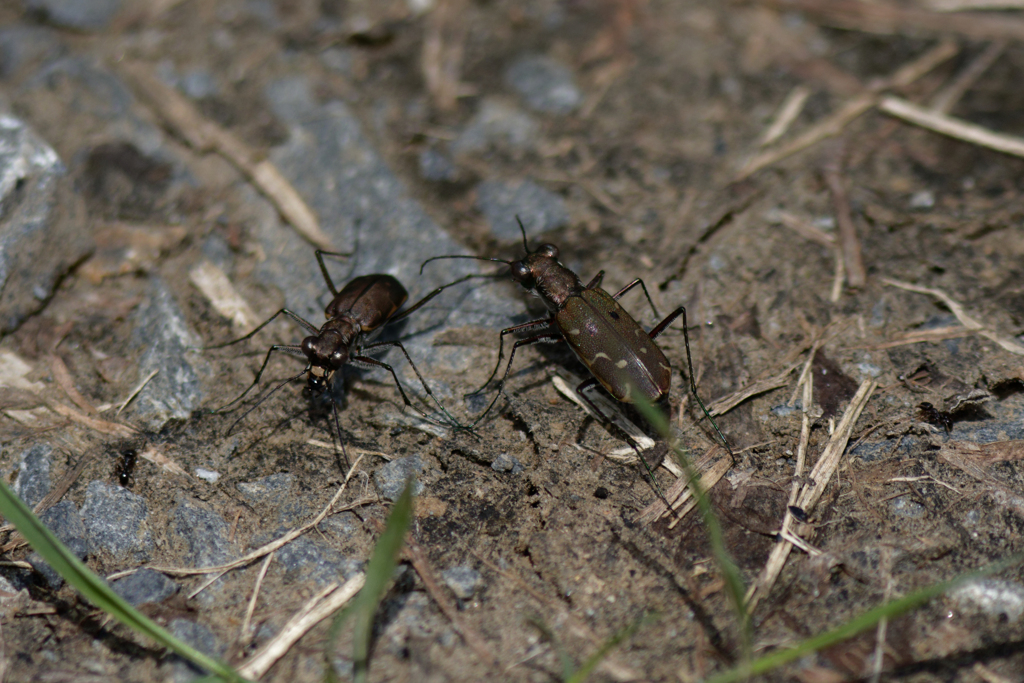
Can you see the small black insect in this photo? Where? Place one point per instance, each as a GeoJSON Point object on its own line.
{"type": "Point", "coordinates": [124, 469]}
{"type": "Point", "coordinates": [798, 513]}
{"type": "Point", "coordinates": [926, 412]}
{"type": "Point", "coordinates": [356, 315]}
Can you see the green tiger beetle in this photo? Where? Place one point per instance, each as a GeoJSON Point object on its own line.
{"type": "Point", "coordinates": [620, 355]}
{"type": "Point", "coordinates": [356, 315]}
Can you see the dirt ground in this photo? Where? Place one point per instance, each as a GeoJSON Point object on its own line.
{"type": "Point", "coordinates": [676, 97]}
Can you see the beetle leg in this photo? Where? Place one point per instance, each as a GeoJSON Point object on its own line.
{"type": "Point", "coordinates": [291, 349]}
{"type": "Point", "coordinates": [284, 311]}
{"type": "Point", "coordinates": [647, 294]}
{"type": "Point", "coordinates": [365, 360]}
{"type": "Point", "coordinates": [681, 311]}
{"type": "Point", "coordinates": [428, 297]}
{"type": "Point", "coordinates": [501, 347]}
{"type": "Point", "coordinates": [323, 269]}
{"type": "Point", "coordinates": [596, 282]}
{"type": "Point", "coordinates": [590, 384]}
{"type": "Point", "coordinates": [548, 337]}
{"type": "Point", "coordinates": [259, 402]}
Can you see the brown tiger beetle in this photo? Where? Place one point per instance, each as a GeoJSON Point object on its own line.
{"type": "Point", "coordinates": [620, 355]}
{"type": "Point", "coordinates": [356, 315]}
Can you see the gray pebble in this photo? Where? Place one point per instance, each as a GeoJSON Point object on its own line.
{"type": "Point", "coordinates": [271, 490]}
{"type": "Point", "coordinates": [63, 520]}
{"type": "Point", "coordinates": [391, 477]}
{"type": "Point", "coordinates": [41, 233]}
{"type": "Point", "coordinates": [115, 522]}
{"type": "Point", "coordinates": [307, 558]}
{"type": "Point", "coordinates": [906, 507]}
{"type": "Point", "coordinates": [544, 84]}
{"type": "Point", "coordinates": [994, 597]}
{"type": "Point", "coordinates": [168, 346]}
{"type": "Point", "coordinates": [81, 15]}
{"type": "Point", "coordinates": [22, 44]}
{"type": "Point", "coordinates": [436, 167]}
{"type": "Point", "coordinates": [497, 126]}
{"type": "Point", "coordinates": [33, 481]}
{"type": "Point", "coordinates": [506, 463]}
{"type": "Point", "coordinates": [205, 532]}
{"type": "Point", "coordinates": [145, 586]}
{"type": "Point", "coordinates": [198, 636]}
{"type": "Point", "coordinates": [462, 580]}
{"type": "Point", "coordinates": [539, 209]}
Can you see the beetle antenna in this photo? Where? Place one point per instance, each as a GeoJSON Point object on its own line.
{"type": "Point", "coordinates": [523, 230]}
{"type": "Point", "coordinates": [475, 258]}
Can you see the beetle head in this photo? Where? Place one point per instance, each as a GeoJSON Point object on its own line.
{"type": "Point", "coordinates": [328, 350]}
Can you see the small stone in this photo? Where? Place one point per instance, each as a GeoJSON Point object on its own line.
{"type": "Point", "coordinates": [63, 520]}
{"type": "Point", "coordinates": [462, 580]}
{"type": "Point", "coordinates": [436, 167]}
{"type": "Point", "coordinates": [198, 636]}
{"type": "Point", "coordinates": [540, 210]}
{"type": "Point", "coordinates": [169, 348]}
{"type": "Point", "coordinates": [115, 522]}
{"type": "Point", "coordinates": [81, 15]}
{"type": "Point", "coordinates": [994, 597]}
{"type": "Point", "coordinates": [205, 532]}
{"type": "Point", "coordinates": [391, 477]}
{"type": "Point", "coordinates": [211, 476]}
{"type": "Point", "coordinates": [544, 84]}
{"type": "Point", "coordinates": [33, 481]}
{"type": "Point", "coordinates": [925, 199]}
{"type": "Point", "coordinates": [308, 558]}
{"type": "Point", "coordinates": [145, 586]}
{"type": "Point", "coordinates": [497, 125]}
{"type": "Point", "coordinates": [506, 463]}
{"type": "Point", "coordinates": [270, 490]}
{"type": "Point", "coordinates": [20, 45]}
{"type": "Point", "coordinates": [40, 225]}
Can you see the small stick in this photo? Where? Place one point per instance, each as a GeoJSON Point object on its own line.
{"type": "Point", "coordinates": [64, 379]}
{"type": "Point", "coordinates": [853, 259]}
{"type": "Point", "coordinates": [787, 114]}
{"type": "Point", "coordinates": [961, 314]}
{"type": "Point", "coordinates": [946, 98]}
{"type": "Point", "coordinates": [318, 608]}
{"type": "Point", "coordinates": [244, 635]}
{"type": "Point", "coordinates": [952, 127]}
{"type": "Point", "coordinates": [135, 392]}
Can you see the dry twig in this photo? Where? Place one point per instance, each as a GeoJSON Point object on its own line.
{"type": "Point", "coordinates": [849, 244]}
{"type": "Point", "coordinates": [204, 135]}
{"type": "Point", "coordinates": [811, 491]}
{"type": "Point", "coordinates": [961, 314]}
{"type": "Point", "coordinates": [952, 127]}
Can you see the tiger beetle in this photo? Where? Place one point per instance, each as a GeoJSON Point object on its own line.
{"type": "Point", "coordinates": [356, 315]}
{"type": "Point", "coordinates": [620, 355]}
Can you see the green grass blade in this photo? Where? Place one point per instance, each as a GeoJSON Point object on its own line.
{"type": "Point", "coordinates": [733, 579]}
{"type": "Point", "coordinates": [95, 589]}
{"type": "Point", "coordinates": [378, 575]}
{"type": "Point", "coordinates": [858, 624]}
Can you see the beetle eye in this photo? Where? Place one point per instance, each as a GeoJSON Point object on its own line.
{"type": "Point", "coordinates": [549, 250]}
{"type": "Point", "coordinates": [521, 272]}
{"type": "Point", "coordinates": [337, 359]}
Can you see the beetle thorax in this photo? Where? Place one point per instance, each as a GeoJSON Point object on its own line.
{"type": "Point", "coordinates": [541, 273]}
{"type": "Point", "coordinates": [331, 347]}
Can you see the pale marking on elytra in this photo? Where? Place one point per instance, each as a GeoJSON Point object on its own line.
{"type": "Point", "coordinates": [665, 367]}
{"type": "Point", "coordinates": [601, 354]}
{"type": "Point", "coordinates": [621, 364]}
{"type": "Point", "coordinates": [643, 349]}
{"type": "Point", "coordinates": [574, 332]}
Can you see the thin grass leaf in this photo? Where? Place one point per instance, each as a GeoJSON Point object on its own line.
{"type": "Point", "coordinates": [94, 589]}
{"type": "Point", "coordinates": [378, 576]}
{"type": "Point", "coordinates": [733, 580]}
{"type": "Point", "coordinates": [606, 647]}
{"type": "Point", "coordinates": [858, 624]}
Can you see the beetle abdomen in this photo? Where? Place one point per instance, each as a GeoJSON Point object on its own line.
{"type": "Point", "coordinates": [369, 300]}
{"type": "Point", "coordinates": [619, 353]}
